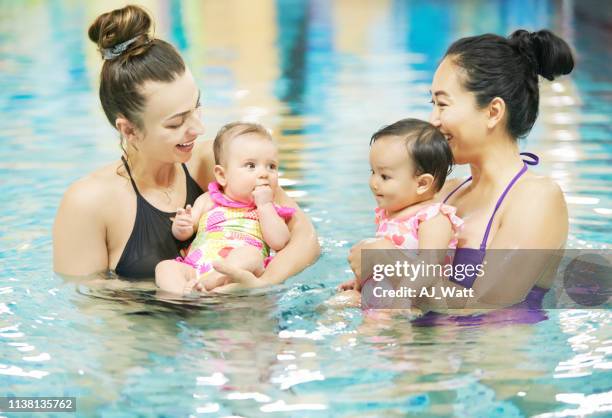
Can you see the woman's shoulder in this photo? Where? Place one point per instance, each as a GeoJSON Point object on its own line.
{"type": "Point", "coordinates": [534, 198]}
{"type": "Point", "coordinates": [536, 188]}
{"type": "Point", "coordinates": [534, 216]}
{"type": "Point", "coordinates": [447, 188]}
{"type": "Point", "coordinates": [94, 189]}
{"type": "Point", "coordinates": [202, 162]}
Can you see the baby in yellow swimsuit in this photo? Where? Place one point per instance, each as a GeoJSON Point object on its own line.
{"type": "Point", "coordinates": [236, 220]}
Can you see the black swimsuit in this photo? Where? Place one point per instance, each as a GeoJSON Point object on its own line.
{"type": "Point", "coordinates": [151, 240]}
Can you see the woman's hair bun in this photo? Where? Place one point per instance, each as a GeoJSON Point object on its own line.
{"type": "Point", "coordinates": [121, 25]}
{"type": "Point", "coordinates": [549, 55]}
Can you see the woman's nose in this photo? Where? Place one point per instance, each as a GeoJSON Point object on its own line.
{"type": "Point", "coordinates": [197, 126]}
{"type": "Point", "coordinates": [434, 117]}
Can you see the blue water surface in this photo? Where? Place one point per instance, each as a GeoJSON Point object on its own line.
{"type": "Point", "coordinates": [323, 75]}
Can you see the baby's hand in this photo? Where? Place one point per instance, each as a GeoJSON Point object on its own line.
{"type": "Point", "coordinates": [262, 195]}
{"type": "Point", "coordinates": [182, 225]}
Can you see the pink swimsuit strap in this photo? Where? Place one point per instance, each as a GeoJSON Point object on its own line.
{"type": "Point", "coordinates": [222, 200]}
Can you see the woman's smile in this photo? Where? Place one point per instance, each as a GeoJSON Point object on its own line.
{"type": "Point", "coordinates": [186, 146]}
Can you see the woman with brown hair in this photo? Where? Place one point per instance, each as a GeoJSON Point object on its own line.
{"type": "Point", "coordinates": [118, 217]}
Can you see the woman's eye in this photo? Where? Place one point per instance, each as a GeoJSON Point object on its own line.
{"type": "Point", "coordinates": [439, 104]}
{"type": "Point", "coordinates": [176, 126]}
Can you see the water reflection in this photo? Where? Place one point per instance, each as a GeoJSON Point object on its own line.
{"type": "Point", "coordinates": [323, 76]}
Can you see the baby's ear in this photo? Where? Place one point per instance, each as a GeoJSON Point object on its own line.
{"type": "Point", "coordinates": [219, 172]}
{"type": "Point", "coordinates": [425, 183]}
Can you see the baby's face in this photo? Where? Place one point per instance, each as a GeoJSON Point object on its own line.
{"type": "Point", "coordinates": [392, 181]}
{"type": "Point", "coordinates": [252, 160]}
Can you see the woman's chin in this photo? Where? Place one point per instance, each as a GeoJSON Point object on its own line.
{"type": "Point", "coordinates": [459, 159]}
{"type": "Point", "coordinates": [183, 157]}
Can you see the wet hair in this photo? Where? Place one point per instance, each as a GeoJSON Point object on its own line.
{"type": "Point", "coordinates": [508, 68]}
{"type": "Point", "coordinates": [426, 146]}
{"type": "Point", "coordinates": [234, 130]}
{"type": "Point", "coordinates": [144, 59]}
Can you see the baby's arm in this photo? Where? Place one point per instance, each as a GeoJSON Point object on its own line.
{"type": "Point", "coordinates": [185, 223]}
{"type": "Point", "coordinates": [274, 229]}
{"type": "Point", "coordinates": [435, 234]}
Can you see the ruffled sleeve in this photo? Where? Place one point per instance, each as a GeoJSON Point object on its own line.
{"type": "Point", "coordinates": [440, 208]}
{"type": "Point", "coordinates": [379, 215]}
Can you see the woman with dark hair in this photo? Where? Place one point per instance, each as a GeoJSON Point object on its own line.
{"type": "Point", "coordinates": [485, 98]}
{"type": "Point", "coordinates": [119, 217]}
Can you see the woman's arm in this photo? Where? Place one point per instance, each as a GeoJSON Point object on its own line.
{"type": "Point", "coordinates": [302, 249]}
{"type": "Point", "coordinates": [79, 232]}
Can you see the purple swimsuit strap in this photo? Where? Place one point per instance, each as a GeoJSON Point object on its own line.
{"type": "Point", "coordinates": [533, 160]}
{"type": "Point", "coordinates": [456, 189]}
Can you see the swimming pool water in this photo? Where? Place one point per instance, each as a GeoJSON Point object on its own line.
{"type": "Point", "coordinates": [323, 75]}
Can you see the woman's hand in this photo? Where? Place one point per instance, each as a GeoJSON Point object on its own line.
{"type": "Point", "coordinates": [354, 257]}
{"type": "Point", "coordinates": [347, 285]}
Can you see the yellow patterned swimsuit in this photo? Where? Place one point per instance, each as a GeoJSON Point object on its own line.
{"type": "Point", "coordinates": [228, 225]}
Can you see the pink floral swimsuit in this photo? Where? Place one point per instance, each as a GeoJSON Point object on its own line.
{"type": "Point", "coordinates": [403, 232]}
{"type": "Point", "coordinates": [228, 225]}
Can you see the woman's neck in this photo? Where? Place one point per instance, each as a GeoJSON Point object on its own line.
{"type": "Point", "coordinates": [495, 163]}
{"type": "Point", "coordinates": [155, 174]}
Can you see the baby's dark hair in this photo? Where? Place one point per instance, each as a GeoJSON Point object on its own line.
{"type": "Point", "coordinates": [231, 131]}
{"type": "Point", "coordinates": [426, 146]}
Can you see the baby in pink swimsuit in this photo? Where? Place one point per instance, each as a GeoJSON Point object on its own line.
{"type": "Point", "coordinates": [410, 160]}
{"type": "Point", "coordinates": [236, 220]}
